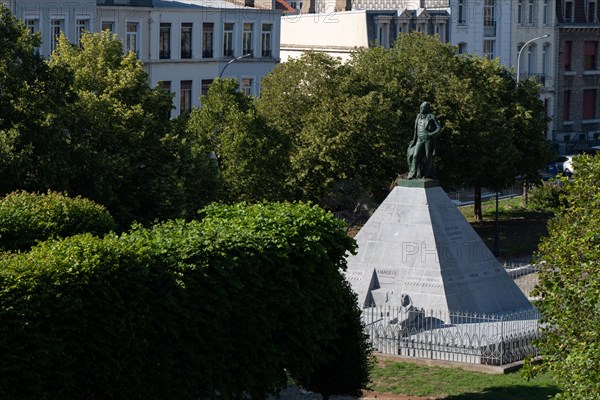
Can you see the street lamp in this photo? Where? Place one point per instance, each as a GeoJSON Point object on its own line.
{"type": "Point", "coordinates": [520, 51]}
{"type": "Point", "coordinates": [232, 61]}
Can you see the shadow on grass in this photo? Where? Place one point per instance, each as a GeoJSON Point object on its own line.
{"type": "Point", "coordinates": [517, 392]}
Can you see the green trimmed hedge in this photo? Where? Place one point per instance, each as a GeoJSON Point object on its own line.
{"type": "Point", "coordinates": [26, 218]}
{"type": "Point", "coordinates": [225, 306]}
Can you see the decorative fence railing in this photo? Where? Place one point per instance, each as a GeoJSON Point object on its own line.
{"type": "Point", "coordinates": [460, 337]}
{"type": "Point", "coordinates": [525, 277]}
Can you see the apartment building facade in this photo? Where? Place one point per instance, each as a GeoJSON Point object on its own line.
{"type": "Point", "coordinates": [577, 111]}
{"type": "Point", "coordinates": [183, 44]}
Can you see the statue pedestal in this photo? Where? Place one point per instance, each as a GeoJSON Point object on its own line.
{"type": "Point", "coordinates": [418, 183]}
{"type": "Point", "coordinates": [418, 244]}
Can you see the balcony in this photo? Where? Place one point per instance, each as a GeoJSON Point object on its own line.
{"type": "Point", "coordinates": [267, 53]}
{"type": "Point", "coordinates": [164, 54]}
{"type": "Point", "coordinates": [228, 52]}
{"type": "Point", "coordinates": [207, 54]}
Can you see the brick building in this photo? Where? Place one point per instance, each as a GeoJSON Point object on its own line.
{"type": "Point", "coordinates": [577, 114]}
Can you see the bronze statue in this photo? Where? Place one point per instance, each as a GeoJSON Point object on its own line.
{"type": "Point", "coordinates": [422, 148]}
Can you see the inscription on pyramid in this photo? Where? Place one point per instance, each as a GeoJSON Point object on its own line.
{"type": "Point", "coordinates": [417, 249]}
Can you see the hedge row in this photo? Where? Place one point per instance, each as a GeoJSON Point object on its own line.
{"type": "Point", "coordinates": [222, 307]}
{"type": "Point", "coordinates": [26, 218]}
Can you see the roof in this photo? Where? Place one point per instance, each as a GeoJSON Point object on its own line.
{"type": "Point", "coordinates": [195, 4]}
{"type": "Point", "coordinates": [284, 6]}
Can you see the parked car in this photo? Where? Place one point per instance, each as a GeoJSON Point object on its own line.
{"type": "Point", "coordinates": [567, 165]}
{"type": "Point", "coordinates": [550, 171]}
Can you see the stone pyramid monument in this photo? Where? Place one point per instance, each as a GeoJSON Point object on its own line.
{"type": "Point", "coordinates": [417, 250]}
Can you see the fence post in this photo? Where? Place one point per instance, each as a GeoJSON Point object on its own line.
{"type": "Point", "coordinates": [501, 340]}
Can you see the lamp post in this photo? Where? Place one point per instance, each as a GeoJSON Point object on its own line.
{"type": "Point", "coordinates": [520, 51]}
{"type": "Point", "coordinates": [232, 61]}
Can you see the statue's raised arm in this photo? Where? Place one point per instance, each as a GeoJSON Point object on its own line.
{"type": "Point", "coordinates": [422, 148]}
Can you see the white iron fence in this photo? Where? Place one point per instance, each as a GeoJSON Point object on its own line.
{"type": "Point", "coordinates": [460, 337]}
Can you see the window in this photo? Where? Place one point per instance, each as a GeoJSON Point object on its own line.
{"type": "Point", "coordinates": [247, 39]}
{"type": "Point", "coordinates": [520, 12]}
{"type": "Point", "coordinates": [228, 40]}
{"type": "Point", "coordinates": [567, 105]}
{"type": "Point", "coordinates": [166, 86]}
{"type": "Point", "coordinates": [266, 40]}
{"type": "Point", "coordinates": [185, 97]}
{"type": "Point", "coordinates": [489, 18]}
{"type": "Point", "coordinates": [592, 11]}
{"type": "Point", "coordinates": [82, 25]}
{"type": "Point", "coordinates": [529, 59]}
{"type": "Point", "coordinates": [590, 54]}
{"type": "Point", "coordinates": [462, 48]}
{"type": "Point", "coordinates": [186, 40]}
{"type": "Point", "coordinates": [530, 12]}
{"type": "Point", "coordinates": [108, 26]}
{"type": "Point", "coordinates": [589, 103]}
{"type": "Point", "coordinates": [567, 54]}
{"type": "Point", "coordinates": [56, 26]}
{"type": "Point", "coordinates": [461, 11]}
{"type": "Point", "coordinates": [164, 41]}
{"type": "Point", "coordinates": [247, 84]}
{"type": "Point", "coordinates": [32, 25]}
{"type": "Point", "coordinates": [207, 40]}
{"type": "Point", "coordinates": [204, 86]}
{"type": "Point", "coordinates": [545, 60]}
{"type": "Point", "coordinates": [545, 13]}
{"type": "Point", "coordinates": [568, 12]}
{"type": "Point", "coordinates": [488, 48]}
{"type": "Point", "coordinates": [131, 40]}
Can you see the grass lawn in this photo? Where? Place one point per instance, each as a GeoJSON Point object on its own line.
{"type": "Point", "coordinates": [519, 228]}
{"type": "Point", "coordinates": [453, 383]}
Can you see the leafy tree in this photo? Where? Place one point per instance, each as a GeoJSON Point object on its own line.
{"type": "Point", "coordinates": [26, 218]}
{"type": "Point", "coordinates": [569, 288]}
{"type": "Point", "coordinates": [252, 158]}
{"type": "Point", "coordinates": [32, 141]}
{"type": "Point", "coordinates": [337, 137]}
{"type": "Point", "coordinates": [490, 128]}
{"type": "Point", "coordinates": [124, 151]}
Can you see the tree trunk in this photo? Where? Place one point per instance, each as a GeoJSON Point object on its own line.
{"type": "Point", "coordinates": [477, 204]}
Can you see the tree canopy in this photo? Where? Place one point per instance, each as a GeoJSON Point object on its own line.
{"type": "Point", "coordinates": [86, 122]}
{"type": "Point", "coordinates": [569, 288]}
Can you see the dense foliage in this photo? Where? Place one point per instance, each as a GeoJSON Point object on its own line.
{"type": "Point", "coordinates": [350, 124]}
{"type": "Point", "coordinates": [124, 151]}
{"type": "Point", "coordinates": [32, 95]}
{"type": "Point", "coordinates": [347, 371]}
{"type": "Point", "coordinates": [569, 288]}
{"type": "Point", "coordinates": [252, 158]}
{"type": "Point", "coordinates": [179, 311]}
{"type": "Point", "coordinates": [548, 195]}
{"type": "Point", "coordinates": [26, 218]}
{"type": "Point", "coordinates": [87, 122]}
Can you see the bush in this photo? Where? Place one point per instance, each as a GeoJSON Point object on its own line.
{"type": "Point", "coordinates": [569, 288]}
{"type": "Point", "coordinates": [347, 371]}
{"type": "Point", "coordinates": [548, 196]}
{"type": "Point", "coordinates": [27, 218]}
{"type": "Point", "coordinates": [222, 307]}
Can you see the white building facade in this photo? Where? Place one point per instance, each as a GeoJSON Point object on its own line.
{"type": "Point", "coordinates": [50, 18]}
{"type": "Point", "coordinates": [187, 44]}
{"type": "Point", "coordinates": [184, 44]}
